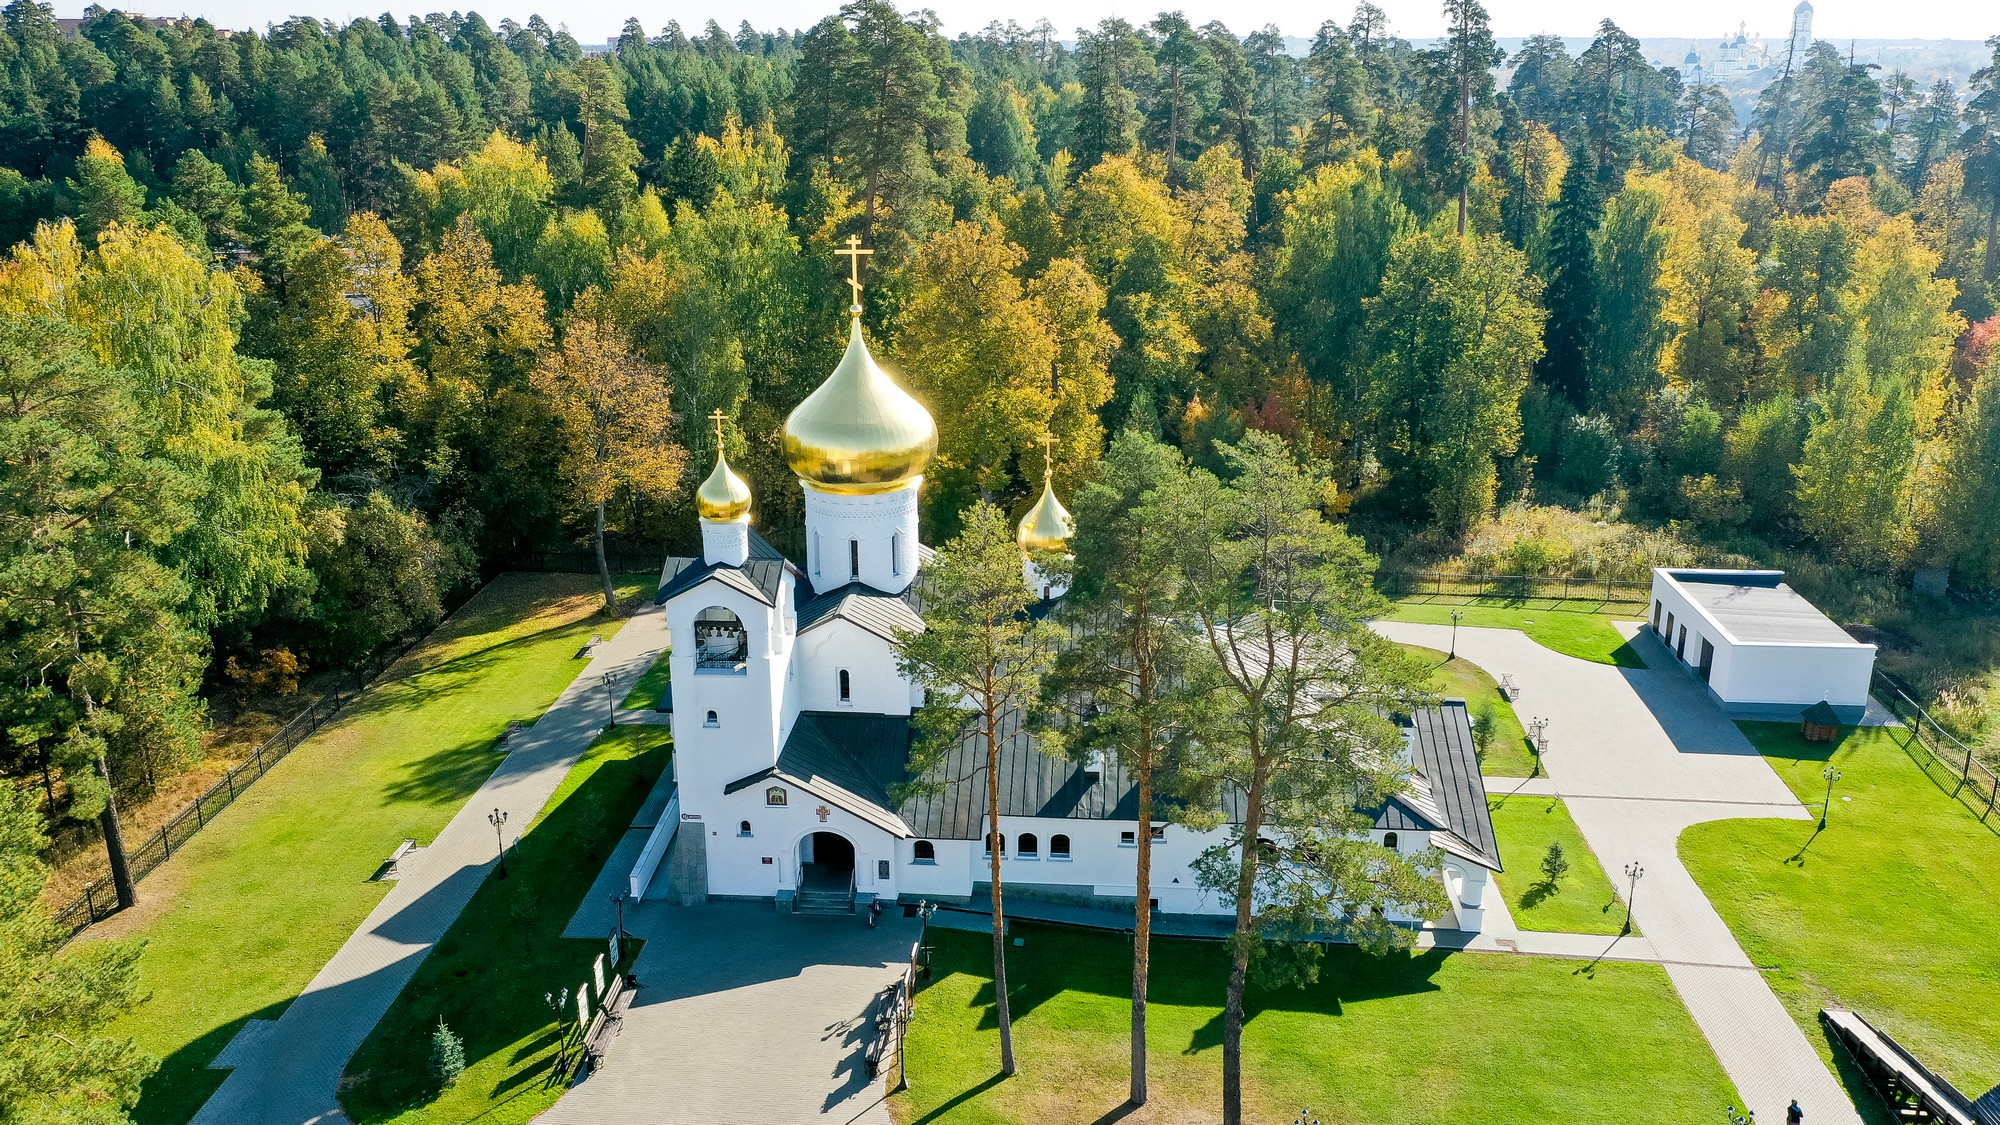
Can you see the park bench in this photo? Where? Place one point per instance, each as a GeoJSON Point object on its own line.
{"type": "Point", "coordinates": [1508, 691]}
{"type": "Point", "coordinates": [394, 867]}
{"type": "Point", "coordinates": [589, 648]}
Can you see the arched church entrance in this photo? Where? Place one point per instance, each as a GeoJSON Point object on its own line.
{"type": "Point", "coordinates": [826, 862]}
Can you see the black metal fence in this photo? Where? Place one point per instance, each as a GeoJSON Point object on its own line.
{"type": "Point", "coordinates": [1949, 762]}
{"type": "Point", "coordinates": [99, 901]}
{"type": "Point", "coordinates": [1551, 587]}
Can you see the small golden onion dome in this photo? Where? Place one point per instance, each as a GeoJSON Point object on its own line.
{"type": "Point", "coordinates": [723, 496]}
{"type": "Point", "coordinates": [859, 433]}
{"type": "Point", "coordinates": [1047, 526]}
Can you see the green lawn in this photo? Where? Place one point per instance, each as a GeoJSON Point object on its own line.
{"type": "Point", "coordinates": [488, 976]}
{"type": "Point", "coordinates": [1436, 1037]}
{"type": "Point", "coordinates": [249, 911]}
{"type": "Point", "coordinates": [1504, 749]}
{"type": "Point", "coordinates": [645, 694]}
{"type": "Point", "coordinates": [1584, 635]}
{"type": "Point", "coordinates": [1584, 902]}
{"type": "Point", "coordinates": [1891, 911]}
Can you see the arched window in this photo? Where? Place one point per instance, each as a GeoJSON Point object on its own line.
{"type": "Point", "coordinates": [710, 721]}
{"type": "Point", "coordinates": [1059, 846]}
{"type": "Point", "coordinates": [721, 644]}
{"type": "Point", "coordinates": [994, 839]}
{"type": "Point", "coordinates": [846, 687]}
{"type": "Point", "coordinates": [743, 829]}
{"type": "Point", "coordinates": [815, 553]}
{"type": "Point", "coordinates": [1389, 840]}
{"type": "Point", "coordinates": [854, 558]}
{"type": "Point", "coordinates": [1029, 847]}
{"type": "Point", "coordinates": [923, 852]}
{"type": "Point", "coordinates": [896, 553]}
{"type": "Point", "coordinates": [775, 795]}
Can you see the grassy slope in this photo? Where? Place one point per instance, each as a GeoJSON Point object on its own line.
{"type": "Point", "coordinates": [488, 976]}
{"type": "Point", "coordinates": [1436, 1037]}
{"type": "Point", "coordinates": [1586, 636]}
{"type": "Point", "coordinates": [244, 916]}
{"type": "Point", "coordinates": [1583, 903]}
{"type": "Point", "coordinates": [1504, 750]}
{"type": "Point", "coordinates": [1891, 911]}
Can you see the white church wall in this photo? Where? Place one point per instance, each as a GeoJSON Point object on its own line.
{"type": "Point", "coordinates": [875, 687]}
{"type": "Point", "coordinates": [872, 538]}
{"type": "Point", "coordinates": [765, 862]}
{"type": "Point", "coordinates": [743, 737]}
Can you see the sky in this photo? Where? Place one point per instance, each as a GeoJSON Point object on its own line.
{"type": "Point", "coordinates": [596, 20]}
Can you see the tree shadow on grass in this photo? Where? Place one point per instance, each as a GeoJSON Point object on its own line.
{"type": "Point", "coordinates": [176, 1091]}
{"type": "Point", "coordinates": [447, 776]}
{"type": "Point", "coordinates": [1539, 893]}
{"type": "Point", "coordinates": [959, 1099]}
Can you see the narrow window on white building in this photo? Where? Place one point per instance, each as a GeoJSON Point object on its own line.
{"type": "Point", "coordinates": [710, 721]}
{"type": "Point", "coordinates": [815, 554]}
{"type": "Point", "coordinates": [923, 852]}
{"type": "Point", "coordinates": [1059, 846]}
{"type": "Point", "coordinates": [846, 687]}
{"type": "Point", "coordinates": [896, 553]}
{"type": "Point", "coordinates": [854, 558]}
{"type": "Point", "coordinates": [743, 829]}
{"type": "Point", "coordinates": [1029, 847]}
{"type": "Point", "coordinates": [1389, 840]}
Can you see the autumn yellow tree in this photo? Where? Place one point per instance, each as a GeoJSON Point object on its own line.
{"type": "Point", "coordinates": [613, 411]}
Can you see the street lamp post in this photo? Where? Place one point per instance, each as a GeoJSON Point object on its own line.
{"type": "Point", "coordinates": [925, 908]}
{"type": "Point", "coordinates": [1736, 1118]}
{"type": "Point", "coordinates": [559, 1006]}
{"type": "Point", "coordinates": [1832, 775]}
{"type": "Point", "coordinates": [619, 902]}
{"type": "Point", "coordinates": [610, 704]}
{"type": "Point", "coordinates": [1635, 872]}
{"type": "Point", "coordinates": [498, 820]}
{"type": "Point", "coordinates": [1455, 615]}
{"type": "Point", "coordinates": [1538, 729]}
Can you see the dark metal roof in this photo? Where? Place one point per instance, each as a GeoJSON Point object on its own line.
{"type": "Point", "coordinates": [1757, 606]}
{"type": "Point", "coordinates": [758, 577]}
{"type": "Point", "coordinates": [1821, 714]}
{"type": "Point", "coordinates": [1446, 759]}
{"type": "Point", "coordinates": [864, 605]}
{"type": "Point", "coordinates": [851, 759]}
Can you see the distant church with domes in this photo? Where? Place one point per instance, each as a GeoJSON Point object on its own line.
{"type": "Point", "coordinates": [791, 719]}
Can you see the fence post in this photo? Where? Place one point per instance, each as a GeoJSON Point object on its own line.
{"type": "Point", "coordinates": [90, 901]}
{"type": "Point", "coordinates": [198, 825]}
{"type": "Point", "coordinates": [166, 842]}
{"type": "Point", "coordinates": [229, 776]}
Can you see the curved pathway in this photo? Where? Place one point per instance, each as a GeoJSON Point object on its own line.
{"type": "Point", "coordinates": [1638, 755]}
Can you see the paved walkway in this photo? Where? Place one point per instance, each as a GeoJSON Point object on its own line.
{"type": "Point", "coordinates": [746, 1015]}
{"type": "Point", "coordinates": [286, 1071]}
{"type": "Point", "coordinates": [1638, 755]}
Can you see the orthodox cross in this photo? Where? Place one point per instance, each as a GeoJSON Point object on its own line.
{"type": "Point", "coordinates": [854, 253]}
{"type": "Point", "coordinates": [823, 812]}
{"type": "Point", "coordinates": [1048, 443]}
{"type": "Point", "coordinates": [715, 416]}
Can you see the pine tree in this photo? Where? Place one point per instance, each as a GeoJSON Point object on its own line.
{"type": "Point", "coordinates": [102, 192]}
{"type": "Point", "coordinates": [1570, 264]}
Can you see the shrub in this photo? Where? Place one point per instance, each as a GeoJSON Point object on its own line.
{"type": "Point", "coordinates": [447, 1056]}
{"type": "Point", "coordinates": [1555, 865]}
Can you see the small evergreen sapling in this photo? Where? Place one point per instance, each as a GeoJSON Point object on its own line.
{"type": "Point", "coordinates": [1555, 865]}
{"type": "Point", "coordinates": [447, 1056]}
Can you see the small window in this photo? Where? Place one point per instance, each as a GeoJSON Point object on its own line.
{"type": "Point", "coordinates": [775, 795]}
{"type": "Point", "coordinates": [710, 721]}
{"type": "Point", "coordinates": [815, 552]}
{"type": "Point", "coordinates": [1059, 846]}
{"type": "Point", "coordinates": [846, 687]}
{"type": "Point", "coordinates": [1389, 840]}
{"type": "Point", "coordinates": [896, 553]}
{"type": "Point", "coordinates": [1159, 831]}
{"type": "Point", "coordinates": [743, 829]}
{"type": "Point", "coordinates": [1128, 839]}
{"type": "Point", "coordinates": [854, 558]}
{"type": "Point", "coordinates": [1001, 839]}
{"type": "Point", "coordinates": [1028, 847]}
{"type": "Point", "coordinates": [923, 852]}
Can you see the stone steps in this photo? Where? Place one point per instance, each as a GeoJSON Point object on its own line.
{"type": "Point", "coordinates": [823, 902]}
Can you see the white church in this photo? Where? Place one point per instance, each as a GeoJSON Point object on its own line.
{"type": "Point", "coordinates": [792, 725]}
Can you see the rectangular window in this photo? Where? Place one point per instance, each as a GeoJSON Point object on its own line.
{"type": "Point", "coordinates": [896, 553]}
{"type": "Point", "coordinates": [854, 558]}
{"type": "Point", "coordinates": [815, 552]}
{"type": "Point", "coordinates": [1128, 839]}
{"type": "Point", "coordinates": [1159, 831]}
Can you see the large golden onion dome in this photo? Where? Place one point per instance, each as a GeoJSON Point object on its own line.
{"type": "Point", "coordinates": [724, 496]}
{"type": "Point", "coordinates": [1047, 526]}
{"type": "Point", "coordinates": [859, 433]}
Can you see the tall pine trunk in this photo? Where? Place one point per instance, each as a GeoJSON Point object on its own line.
{"type": "Point", "coordinates": [604, 566]}
{"type": "Point", "coordinates": [1241, 948]}
{"type": "Point", "coordinates": [1142, 918]}
{"type": "Point", "coordinates": [996, 842]}
{"type": "Point", "coordinates": [114, 841]}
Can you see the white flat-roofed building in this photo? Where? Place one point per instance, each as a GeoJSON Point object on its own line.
{"type": "Point", "coordinates": [1763, 650]}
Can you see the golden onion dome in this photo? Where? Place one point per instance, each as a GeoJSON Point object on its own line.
{"type": "Point", "coordinates": [723, 496]}
{"type": "Point", "coordinates": [1047, 526]}
{"type": "Point", "coordinates": [859, 433]}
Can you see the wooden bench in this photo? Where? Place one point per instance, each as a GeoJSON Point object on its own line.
{"type": "Point", "coordinates": [1508, 691]}
{"type": "Point", "coordinates": [589, 648]}
{"type": "Point", "coordinates": [394, 868]}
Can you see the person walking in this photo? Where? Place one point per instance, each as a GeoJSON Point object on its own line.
{"type": "Point", "coordinates": [875, 915]}
{"type": "Point", "coordinates": [1795, 1115]}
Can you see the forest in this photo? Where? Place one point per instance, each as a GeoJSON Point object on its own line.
{"type": "Point", "coordinates": [305, 331]}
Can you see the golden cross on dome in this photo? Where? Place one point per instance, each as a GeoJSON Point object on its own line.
{"type": "Point", "coordinates": [854, 253]}
{"type": "Point", "coordinates": [1048, 443]}
{"type": "Point", "coordinates": [715, 416]}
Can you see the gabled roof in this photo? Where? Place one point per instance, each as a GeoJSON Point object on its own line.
{"type": "Point", "coordinates": [847, 759]}
{"type": "Point", "coordinates": [1822, 714]}
{"type": "Point", "coordinates": [759, 576]}
{"type": "Point", "coordinates": [879, 613]}
{"type": "Point", "coordinates": [1445, 756]}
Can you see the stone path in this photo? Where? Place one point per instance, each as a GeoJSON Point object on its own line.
{"type": "Point", "coordinates": [286, 1073]}
{"type": "Point", "coordinates": [746, 1015]}
{"type": "Point", "coordinates": [1638, 755]}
